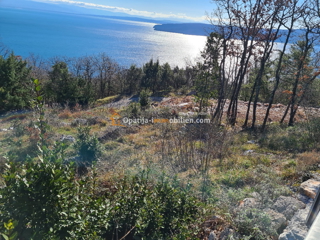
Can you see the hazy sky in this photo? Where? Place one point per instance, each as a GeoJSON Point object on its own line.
{"type": "Point", "coordinates": [182, 9]}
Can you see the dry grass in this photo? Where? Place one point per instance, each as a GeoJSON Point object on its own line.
{"type": "Point", "coordinates": [65, 114]}
{"type": "Point", "coordinates": [307, 161]}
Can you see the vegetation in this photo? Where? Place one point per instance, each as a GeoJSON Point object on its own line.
{"type": "Point", "coordinates": [112, 180]}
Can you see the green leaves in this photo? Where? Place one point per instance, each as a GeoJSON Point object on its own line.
{"type": "Point", "coordinates": [15, 84]}
{"type": "Point", "coordinates": [156, 210]}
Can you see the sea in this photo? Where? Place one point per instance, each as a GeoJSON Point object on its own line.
{"type": "Point", "coordinates": [54, 34]}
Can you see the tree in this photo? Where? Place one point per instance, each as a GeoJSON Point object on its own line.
{"type": "Point", "coordinates": [301, 73]}
{"type": "Point", "coordinates": [63, 88]}
{"type": "Point", "coordinates": [150, 79]}
{"type": "Point", "coordinates": [133, 79]}
{"type": "Point", "coordinates": [166, 77]}
{"type": "Point", "coordinates": [106, 70]}
{"type": "Point", "coordinates": [15, 83]}
{"type": "Point", "coordinates": [249, 30]}
{"type": "Point", "coordinates": [179, 78]}
{"type": "Point", "coordinates": [206, 83]}
{"type": "Point", "coordinates": [288, 21]}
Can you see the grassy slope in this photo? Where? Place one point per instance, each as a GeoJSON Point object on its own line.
{"type": "Point", "coordinates": [241, 164]}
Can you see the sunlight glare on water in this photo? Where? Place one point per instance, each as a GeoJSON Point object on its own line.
{"type": "Point", "coordinates": [49, 34]}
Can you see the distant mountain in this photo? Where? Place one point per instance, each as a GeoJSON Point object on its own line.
{"type": "Point", "coordinates": [67, 8]}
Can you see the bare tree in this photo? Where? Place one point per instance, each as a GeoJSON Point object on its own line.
{"type": "Point", "coordinates": [106, 69]}
{"type": "Point", "coordinates": [243, 28]}
{"type": "Point", "coordinates": [287, 21]}
{"type": "Point", "coordinates": [304, 73]}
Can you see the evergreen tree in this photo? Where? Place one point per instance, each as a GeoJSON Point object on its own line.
{"type": "Point", "coordinates": [15, 83]}
{"type": "Point", "coordinates": [151, 76]}
{"type": "Point", "coordinates": [63, 88]}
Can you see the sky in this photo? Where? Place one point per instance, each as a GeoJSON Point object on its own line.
{"type": "Point", "coordinates": [188, 10]}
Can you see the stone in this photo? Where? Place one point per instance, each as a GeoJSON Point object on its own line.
{"type": "Point", "coordinates": [196, 109]}
{"type": "Point", "coordinates": [288, 206]}
{"type": "Point", "coordinates": [310, 188]}
{"type": "Point", "coordinates": [248, 152]}
{"type": "Point", "coordinates": [212, 236]}
{"type": "Point", "coordinates": [64, 124]}
{"type": "Point", "coordinates": [255, 195]}
{"type": "Point", "coordinates": [278, 219]}
{"type": "Point", "coordinates": [297, 229]}
{"type": "Point", "coordinates": [303, 198]}
{"type": "Point", "coordinates": [67, 138]}
{"type": "Point", "coordinates": [229, 234]}
{"type": "Point", "coordinates": [249, 203]}
{"type": "Point", "coordinates": [92, 120]}
{"type": "Point", "coordinates": [214, 220]}
{"type": "Point", "coordinates": [79, 121]}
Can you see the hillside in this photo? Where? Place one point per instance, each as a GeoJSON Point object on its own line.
{"type": "Point", "coordinates": [232, 172]}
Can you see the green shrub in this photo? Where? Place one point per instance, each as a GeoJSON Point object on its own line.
{"type": "Point", "coordinates": [87, 147]}
{"type": "Point", "coordinates": [253, 223]}
{"type": "Point", "coordinates": [133, 110]}
{"type": "Point", "coordinates": [48, 202]}
{"type": "Point", "coordinates": [293, 139]}
{"type": "Point", "coordinates": [144, 98]}
{"type": "Point", "coordinates": [153, 210]}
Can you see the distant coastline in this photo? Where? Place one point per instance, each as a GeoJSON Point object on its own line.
{"type": "Point", "coordinates": [198, 29]}
{"type": "Point", "coordinates": [202, 29]}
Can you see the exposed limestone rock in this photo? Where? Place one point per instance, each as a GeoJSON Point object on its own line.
{"type": "Point", "coordinates": [229, 234]}
{"type": "Point", "coordinates": [212, 236]}
{"type": "Point", "coordinates": [278, 219]}
{"type": "Point", "coordinates": [67, 138]}
{"type": "Point", "coordinates": [288, 206]}
{"type": "Point", "coordinates": [297, 229]}
{"type": "Point", "coordinates": [310, 188]}
{"type": "Point", "coordinates": [79, 121]}
{"type": "Point", "coordinates": [249, 203]}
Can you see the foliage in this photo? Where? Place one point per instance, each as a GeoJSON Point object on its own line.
{"type": "Point", "coordinates": [133, 79]}
{"type": "Point", "coordinates": [15, 84]}
{"type": "Point", "coordinates": [46, 200]}
{"type": "Point", "coordinates": [87, 147]}
{"type": "Point", "coordinates": [253, 223]}
{"type": "Point", "coordinates": [133, 110]}
{"type": "Point", "coordinates": [301, 137]}
{"type": "Point", "coordinates": [144, 99]}
{"type": "Point", "coordinates": [153, 210]}
{"type": "Point", "coordinates": [206, 82]}
{"type": "Point", "coordinates": [150, 79]}
{"type": "Point", "coordinates": [66, 89]}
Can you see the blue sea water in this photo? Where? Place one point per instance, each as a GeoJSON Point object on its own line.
{"type": "Point", "coordinates": [51, 34]}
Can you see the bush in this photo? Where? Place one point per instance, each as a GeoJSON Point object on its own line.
{"type": "Point", "coordinates": [153, 210]}
{"type": "Point", "coordinates": [87, 147]}
{"type": "Point", "coordinates": [144, 98]}
{"type": "Point", "coordinates": [253, 223]}
{"type": "Point", "coordinates": [293, 139]}
{"type": "Point", "coordinates": [45, 200]}
{"type": "Point", "coordinates": [133, 110]}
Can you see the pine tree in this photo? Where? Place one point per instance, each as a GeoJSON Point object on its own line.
{"type": "Point", "coordinates": [15, 84]}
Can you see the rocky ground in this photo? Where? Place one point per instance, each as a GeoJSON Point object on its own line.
{"type": "Point", "coordinates": [188, 104]}
{"type": "Point", "coordinates": [288, 213]}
